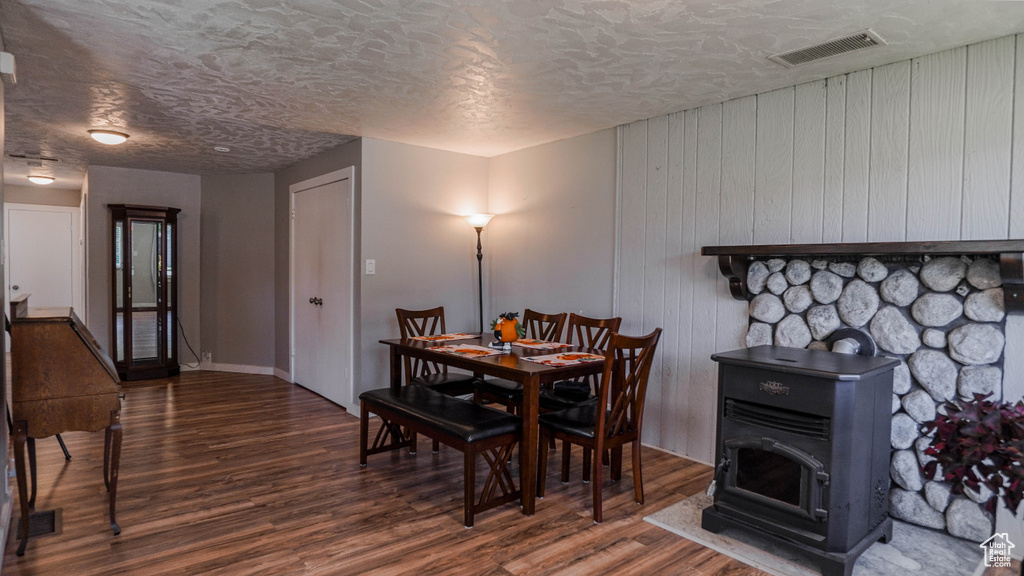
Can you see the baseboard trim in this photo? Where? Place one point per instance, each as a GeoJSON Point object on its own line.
{"type": "Point", "coordinates": [237, 368]}
{"type": "Point", "coordinates": [283, 374]}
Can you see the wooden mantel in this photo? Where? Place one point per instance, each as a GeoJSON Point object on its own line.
{"type": "Point", "coordinates": [733, 260]}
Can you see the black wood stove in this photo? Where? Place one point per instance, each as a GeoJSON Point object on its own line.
{"type": "Point", "coordinates": [803, 450]}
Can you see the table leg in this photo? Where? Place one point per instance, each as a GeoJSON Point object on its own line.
{"type": "Point", "coordinates": [396, 368]}
{"type": "Point", "coordinates": [528, 451]}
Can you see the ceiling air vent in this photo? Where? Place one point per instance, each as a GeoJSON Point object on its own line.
{"type": "Point", "coordinates": [858, 41]}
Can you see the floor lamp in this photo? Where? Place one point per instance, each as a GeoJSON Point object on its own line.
{"type": "Point", "coordinates": [478, 221]}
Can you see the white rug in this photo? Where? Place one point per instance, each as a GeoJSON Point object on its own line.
{"type": "Point", "coordinates": [914, 551]}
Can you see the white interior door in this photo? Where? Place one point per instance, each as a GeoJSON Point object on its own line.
{"type": "Point", "coordinates": [321, 301]}
{"type": "Point", "coordinates": [43, 255]}
{"type": "Point", "coordinates": [306, 247]}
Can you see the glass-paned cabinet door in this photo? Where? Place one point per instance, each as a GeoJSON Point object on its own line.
{"type": "Point", "coordinates": [118, 291]}
{"type": "Point", "coordinates": [144, 291]}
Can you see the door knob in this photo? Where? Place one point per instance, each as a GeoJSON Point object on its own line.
{"type": "Point", "coordinates": [15, 287]}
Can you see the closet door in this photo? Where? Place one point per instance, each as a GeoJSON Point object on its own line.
{"type": "Point", "coordinates": [307, 248]}
{"type": "Point", "coordinates": [322, 288]}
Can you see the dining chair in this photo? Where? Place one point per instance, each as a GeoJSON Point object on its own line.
{"type": "Point", "coordinates": [430, 323]}
{"type": "Point", "coordinates": [616, 419]}
{"type": "Point", "coordinates": [592, 333]}
{"type": "Point", "coordinates": [425, 373]}
{"type": "Point", "coordinates": [587, 332]}
{"type": "Point", "coordinates": [505, 392]}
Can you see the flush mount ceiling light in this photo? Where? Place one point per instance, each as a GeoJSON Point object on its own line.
{"type": "Point", "coordinates": [41, 180]}
{"type": "Point", "coordinates": [108, 137]}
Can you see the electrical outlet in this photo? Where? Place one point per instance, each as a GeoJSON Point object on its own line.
{"type": "Point", "coordinates": [207, 357]}
{"type": "Point", "coordinates": [371, 267]}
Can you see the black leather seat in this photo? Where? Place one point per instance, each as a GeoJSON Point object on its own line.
{"type": "Point", "coordinates": [580, 420]}
{"type": "Point", "coordinates": [440, 413]}
{"type": "Point", "coordinates": [461, 424]}
{"type": "Point", "coordinates": [564, 395]}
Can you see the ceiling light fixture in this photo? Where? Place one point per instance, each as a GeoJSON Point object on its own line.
{"type": "Point", "coordinates": [108, 137]}
{"type": "Point", "coordinates": [41, 180]}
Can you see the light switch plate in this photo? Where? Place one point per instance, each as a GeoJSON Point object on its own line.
{"type": "Point", "coordinates": [371, 267]}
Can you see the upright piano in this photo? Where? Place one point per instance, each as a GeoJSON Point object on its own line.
{"type": "Point", "coordinates": [61, 381]}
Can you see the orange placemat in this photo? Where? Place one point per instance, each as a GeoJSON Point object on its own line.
{"type": "Point", "coordinates": [539, 344]}
{"type": "Point", "coordinates": [444, 337]}
{"type": "Point", "coordinates": [565, 359]}
{"type": "Point", "coordinates": [467, 350]}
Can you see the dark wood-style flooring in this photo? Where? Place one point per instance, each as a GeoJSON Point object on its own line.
{"type": "Point", "coordinates": [239, 474]}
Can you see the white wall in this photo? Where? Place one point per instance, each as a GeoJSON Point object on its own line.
{"type": "Point", "coordinates": [106, 185]}
{"type": "Point", "coordinates": [551, 244]}
{"type": "Point", "coordinates": [915, 150]}
{"type": "Point", "coordinates": [413, 199]}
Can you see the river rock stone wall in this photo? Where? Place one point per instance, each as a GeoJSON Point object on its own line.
{"type": "Point", "coordinates": [942, 317]}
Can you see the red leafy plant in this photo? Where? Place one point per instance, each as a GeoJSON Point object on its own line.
{"type": "Point", "coordinates": [979, 442]}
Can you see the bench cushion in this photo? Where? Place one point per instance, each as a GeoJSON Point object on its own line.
{"type": "Point", "coordinates": [460, 418]}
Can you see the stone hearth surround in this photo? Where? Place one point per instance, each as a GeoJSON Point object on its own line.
{"type": "Point", "coordinates": [943, 317]}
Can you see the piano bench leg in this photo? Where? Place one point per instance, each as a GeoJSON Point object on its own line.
{"type": "Point", "coordinates": [20, 435]}
{"type": "Point", "coordinates": [111, 463]}
{"type": "Point", "coordinates": [32, 472]}
{"type": "Point", "coordinates": [64, 448]}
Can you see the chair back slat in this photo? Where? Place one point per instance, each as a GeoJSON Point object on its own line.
{"type": "Point", "coordinates": [627, 367]}
{"type": "Point", "coordinates": [591, 333]}
{"type": "Point", "coordinates": [421, 323]}
{"type": "Point", "coordinates": [543, 326]}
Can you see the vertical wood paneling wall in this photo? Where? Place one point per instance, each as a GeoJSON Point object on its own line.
{"type": "Point", "coordinates": [915, 150]}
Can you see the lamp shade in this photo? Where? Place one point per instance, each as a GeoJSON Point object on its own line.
{"type": "Point", "coordinates": [108, 137]}
{"type": "Point", "coordinates": [479, 220]}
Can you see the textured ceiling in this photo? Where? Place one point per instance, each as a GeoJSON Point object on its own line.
{"type": "Point", "coordinates": [278, 81]}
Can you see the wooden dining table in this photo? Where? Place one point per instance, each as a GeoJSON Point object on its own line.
{"type": "Point", "coordinates": [509, 366]}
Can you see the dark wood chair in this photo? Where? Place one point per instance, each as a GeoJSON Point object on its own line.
{"type": "Point", "coordinates": [505, 392]}
{"type": "Point", "coordinates": [430, 323]}
{"type": "Point", "coordinates": [435, 376]}
{"type": "Point", "coordinates": [616, 419]}
{"type": "Point", "coordinates": [589, 333]}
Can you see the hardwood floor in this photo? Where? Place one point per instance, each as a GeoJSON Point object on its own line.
{"type": "Point", "coordinates": [240, 474]}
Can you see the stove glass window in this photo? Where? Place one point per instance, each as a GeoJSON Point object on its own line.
{"type": "Point", "coordinates": [768, 474]}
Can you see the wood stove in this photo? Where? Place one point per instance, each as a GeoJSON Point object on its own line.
{"type": "Point", "coordinates": [803, 450]}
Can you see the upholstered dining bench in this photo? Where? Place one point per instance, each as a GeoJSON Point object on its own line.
{"type": "Point", "coordinates": [468, 427]}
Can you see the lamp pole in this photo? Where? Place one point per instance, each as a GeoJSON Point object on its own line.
{"type": "Point", "coordinates": [478, 221]}
{"type": "Point", "coordinates": [480, 274]}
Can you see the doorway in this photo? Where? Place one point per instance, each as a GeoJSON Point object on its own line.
{"type": "Point", "coordinates": [321, 266]}
{"type": "Point", "coordinates": [44, 255]}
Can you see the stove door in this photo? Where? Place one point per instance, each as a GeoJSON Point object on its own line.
{"type": "Point", "coordinates": [775, 475]}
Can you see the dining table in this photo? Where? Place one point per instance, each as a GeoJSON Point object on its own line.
{"type": "Point", "coordinates": [510, 365]}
